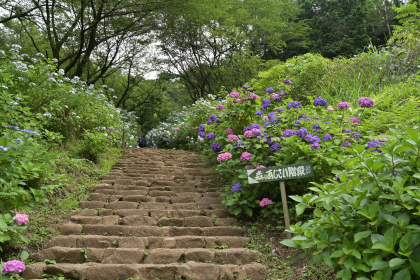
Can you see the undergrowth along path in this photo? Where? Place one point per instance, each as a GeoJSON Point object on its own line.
{"type": "Point", "coordinates": [156, 215]}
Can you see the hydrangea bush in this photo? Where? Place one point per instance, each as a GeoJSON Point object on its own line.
{"type": "Point", "coordinates": [40, 108]}
{"type": "Point", "coordinates": [264, 129]}
{"type": "Point", "coordinates": [366, 222]}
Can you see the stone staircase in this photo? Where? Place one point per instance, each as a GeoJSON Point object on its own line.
{"type": "Point", "coordinates": [156, 215]}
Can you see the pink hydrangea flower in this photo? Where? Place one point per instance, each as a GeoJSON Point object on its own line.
{"type": "Point", "coordinates": [111, 128]}
{"type": "Point", "coordinates": [260, 167]}
{"type": "Point", "coordinates": [343, 105]}
{"type": "Point", "coordinates": [265, 202]}
{"type": "Point", "coordinates": [186, 126]}
{"type": "Point", "coordinates": [229, 131]}
{"type": "Point", "coordinates": [246, 156]}
{"type": "Point", "coordinates": [117, 132]}
{"type": "Point", "coordinates": [265, 118]}
{"type": "Point", "coordinates": [234, 94]}
{"type": "Point", "coordinates": [248, 134]}
{"type": "Point", "coordinates": [13, 267]}
{"type": "Point", "coordinates": [232, 137]}
{"type": "Point", "coordinates": [224, 157]}
{"type": "Point", "coordinates": [177, 128]}
{"type": "Point", "coordinates": [196, 127]}
{"type": "Point", "coordinates": [330, 108]}
{"type": "Point", "coordinates": [188, 137]}
{"type": "Point", "coordinates": [239, 100]}
{"type": "Point", "coordinates": [249, 167]}
{"type": "Point", "coordinates": [21, 219]}
{"type": "Point", "coordinates": [220, 107]}
{"type": "Point", "coordinates": [253, 96]}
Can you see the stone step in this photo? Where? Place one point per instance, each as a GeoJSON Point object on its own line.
{"type": "Point", "coordinates": [144, 220]}
{"type": "Point", "coordinates": [161, 213]}
{"type": "Point", "coordinates": [141, 231]}
{"type": "Point", "coordinates": [150, 205]}
{"type": "Point", "coordinates": [188, 270]}
{"type": "Point", "coordinates": [154, 256]}
{"type": "Point", "coordinates": [177, 242]}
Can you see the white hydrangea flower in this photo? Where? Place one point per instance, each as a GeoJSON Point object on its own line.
{"type": "Point", "coordinates": [48, 115]}
{"type": "Point", "coordinates": [61, 72]}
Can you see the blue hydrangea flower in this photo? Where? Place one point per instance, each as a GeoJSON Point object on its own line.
{"type": "Point", "coordinates": [316, 127]}
{"type": "Point", "coordinates": [256, 125]}
{"type": "Point", "coordinates": [356, 135]}
{"type": "Point", "coordinates": [259, 113]}
{"type": "Point", "coordinates": [235, 187]}
{"type": "Point", "coordinates": [293, 104]}
{"type": "Point", "coordinates": [288, 133]}
{"type": "Point", "coordinates": [271, 116]}
{"type": "Point", "coordinates": [327, 137]}
{"type": "Point", "coordinates": [320, 102]}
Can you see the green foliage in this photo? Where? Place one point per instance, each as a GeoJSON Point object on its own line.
{"type": "Point", "coordinates": [366, 226]}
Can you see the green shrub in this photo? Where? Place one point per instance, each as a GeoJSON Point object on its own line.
{"type": "Point", "coordinates": [366, 224]}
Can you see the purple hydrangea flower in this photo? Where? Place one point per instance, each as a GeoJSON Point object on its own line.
{"type": "Point", "coordinates": [239, 143]}
{"type": "Point", "coordinates": [327, 137]}
{"type": "Point", "coordinates": [315, 146]}
{"type": "Point", "coordinates": [327, 122]}
{"type": "Point", "coordinates": [166, 140]}
{"type": "Point", "coordinates": [346, 144]}
{"type": "Point", "coordinates": [13, 267]}
{"type": "Point", "coordinates": [288, 133]}
{"type": "Point", "coordinates": [374, 144]}
{"type": "Point", "coordinates": [279, 110]}
{"type": "Point", "coordinates": [30, 131]}
{"type": "Point", "coordinates": [210, 136]}
{"type": "Point", "coordinates": [347, 130]}
{"type": "Point", "coordinates": [271, 116]}
{"type": "Point", "coordinates": [246, 87]}
{"type": "Point", "coordinates": [355, 121]}
{"type": "Point", "coordinates": [216, 147]}
{"type": "Point", "coordinates": [3, 148]}
{"type": "Point", "coordinates": [395, 173]}
{"type": "Point", "coordinates": [209, 122]}
{"type": "Point", "coordinates": [356, 135]}
{"type": "Point", "coordinates": [302, 132]}
{"type": "Point", "coordinates": [337, 178]}
{"type": "Point", "coordinates": [269, 90]}
{"type": "Point", "coordinates": [213, 117]}
{"type": "Point", "coordinates": [17, 140]}
{"type": "Point", "coordinates": [13, 127]}
{"type": "Point", "coordinates": [287, 82]}
{"type": "Point", "coordinates": [316, 127]}
{"type": "Point", "coordinates": [366, 102]}
{"type": "Point", "coordinates": [320, 102]}
{"type": "Point", "coordinates": [259, 113]}
{"type": "Point", "coordinates": [202, 128]}
{"type": "Point", "coordinates": [312, 139]}
{"type": "Point", "coordinates": [235, 187]}
{"type": "Point", "coordinates": [293, 104]}
{"type": "Point", "coordinates": [343, 105]}
{"type": "Point", "coordinates": [202, 134]}
{"type": "Point", "coordinates": [274, 147]}
{"type": "Point", "coordinates": [266, 104]}
{"type": "Point", "coordinates": [255, 125]}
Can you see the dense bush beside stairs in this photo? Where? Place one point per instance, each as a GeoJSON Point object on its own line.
{"type": "Point", "coordinates": [366, 223]}
{"type": "Point", "coordinates": [49, 127]}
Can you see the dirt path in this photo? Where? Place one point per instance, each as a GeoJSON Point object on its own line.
{"type": "Point", "coordinates": [156, 215]}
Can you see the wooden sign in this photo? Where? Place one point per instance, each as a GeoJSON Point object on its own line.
{"type": "Point", "coordinates": [281, 173]}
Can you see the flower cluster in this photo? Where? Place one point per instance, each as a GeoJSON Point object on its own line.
{"type": "Point", "coordinates": [235, 187]}
{"type": "Point", "coordinates": [246, 156]}
{"type": "Point", "coordinates": [13, 267]}
{"type": "Point", "coordinates": [366, 102]}
{"type": "Point", "coordinates": [224, 157]}
{"type": "Point", "coordinates": [21, 219]}
{"type": "Point", "coordinates": [265, 202]}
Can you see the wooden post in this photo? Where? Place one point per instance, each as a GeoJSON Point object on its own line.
{"type": "Point", "coordinates": [193, 144]}
{"type": "Point", "coordinates": [285, 208]}
{"type": "Point", "coordinates": [123, 140]}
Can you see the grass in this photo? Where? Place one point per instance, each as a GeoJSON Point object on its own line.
{"type": "Point", "coordinates": [79, 175]}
